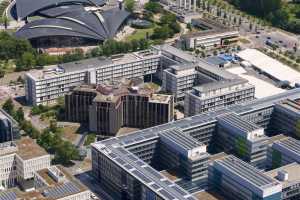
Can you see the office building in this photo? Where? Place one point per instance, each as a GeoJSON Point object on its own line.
{"type": "Point", "coordinates": [19, 160]}
{"type": "Point", "coordinates": [283, 151]}
{"type": "Point", "coordinates": [238, 180]}
{"type": "Point", "coordinates": [9, 128]}
{"type": "Point", "coordinates": [289, 177]}
{"type": "Point", "coordinates": [136, 160]}
{"type": "Point", "coordinates": [45, 86]}
{"type": "Point", "coordinates": [212, 34]}
{"type": "Point", "coordinates": [140, 158]}
{"type": "Point", "coordinates": [286, 118]}
{"type": "Point", "coordinates": [178, 79]}
{"type": "Point", "coordinates": [51, 183]}
{"type": "Point", "coordinates": [211, 96]}
{"type": "Point", "coordinates": [242, 138]}
{"type": "Point", "coordinates": [56, 183]}
{"type": "Point", "coordinates": [109, 106]}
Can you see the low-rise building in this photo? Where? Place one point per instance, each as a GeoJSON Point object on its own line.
{"type": "Point", "coordinates": [20, 160]}
{"type": "Point", "coordinates": [238, 180]}
{"type": "Point", "coordinates": [52, 183]}
{"type": "Point", "coordinates": [211, 96]}
{"type": "Point", "coordinates": [212, 34]}
{"type": "Point", "coordinates": [242, 138]}
{"type": "Point", "coordinates": [286, 118]}
{"type": "Point", "coordinates": [45, 86]}
{"type": "Point", "coordinates": [179, 79]}
{"type": "Point", "coordinates": [283, 151]}
{"type": "Point", "coordinates": [289, 177]}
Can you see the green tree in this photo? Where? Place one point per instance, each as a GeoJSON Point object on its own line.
{"type": "Point", "coordinates": [8, 106]}
{"type": "Point", "coordinates": [153, 7]}
{"type": "Point", "coordinates": [162, 32]}
{"type": "Point", "coordinates": [19, 116]}
{"type": "Point", "coordinates": [129, 5]}
{"type": "Point", "coordinates": [26, 62]}
{"type": "Point", "coordinates": [65, 152]}
{"type": "Point", "coordinates": [189, 26]}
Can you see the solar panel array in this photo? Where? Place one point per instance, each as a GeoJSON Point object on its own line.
{"type": "Point", "coordinates": [245, 174]}
{"type": "Point", "coordinates": [60, 191]}
{"type": "Point", "coordinates": [290, 147]}
{"type": "Point", "coordinates": [7, 195]}
{"type": "Point", "coordinates": [237, 122]}
{"type": "Point", "coordinates": [145, 173]}
{"type": "Point", "coordinates": [149, 176]}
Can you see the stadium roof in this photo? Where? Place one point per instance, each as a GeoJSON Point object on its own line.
{"type": "Point", "coordinates": [79, 23]}
{"type": "Point", "coordinates": [26, 8]}
{"type": "Point", "coordinates": [270, 66]}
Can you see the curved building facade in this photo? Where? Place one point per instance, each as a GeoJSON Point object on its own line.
{"type": "Point", "coordinates": [67, 22]}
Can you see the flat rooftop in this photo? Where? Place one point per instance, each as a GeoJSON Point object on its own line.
{"type": "Point", "coordinates": [292, 170]}
{"type": "Point", "coordinates": [288, 146]}
{"type": "Point", "coordinates": [208, 87]}
{"type": "Point", "coordinates": [210, 27]}
{"type": "Point", "coordinates": [253, 178]}
{"type": "Point", "coordinates": [113, 91]}
{"type": "Point", "coordinates": [270, 66]}
{"type": "Point", "coordinates": [291, 105]}
{"type": "Point", "coordinates": [237, 122]}
{"type": "Point", "coordinates": [182, 140]}
{"type": "Point", "coordinates": [209, 195]}
{"type": "Point", "coordinates": [91, 63]}
{"type": "Point", "coordinates": [115, 148]}
{"type": "Point", "coordinates": [262, 87]}
{"type": "Point", "coordinates": [28, 149]}
{"type": "Point", "coordinates": [44, 173]}
{"type": "Point", "coordinates": [143, 172]}
{"type": "Point", "coordinates": [171, 174]}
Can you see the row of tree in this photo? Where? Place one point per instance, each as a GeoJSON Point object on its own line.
{"type": "Point", "coordinates": [111, 47]}
{"type": "Point", "coordinates": [279, 13]}
{"type": "Point", "coordinates": [26, 57]}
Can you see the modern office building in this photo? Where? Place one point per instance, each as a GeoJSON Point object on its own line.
{"type": "Point", "coordinates": [242, 138]}
{"type": "Point", "coordinates": [20, 160]}
{"type": "Point", "coordinates": [289, 177]}
{"type": "Point", "coordinates": [182, 78]}
{"type": "Point", "coordinates": [51, 183]}
{"type": "Point", "coordinates": [137, 162]}
{"type": "Point", "coordinates": [238, 180]}
{"type": "Point", "coordinates": [138, 157]}
{"type": "Point", "coordinates": [212, 33]}
{"type": "Point", "coordinates": [211, 96]}
{"type": "Point", "coordinates": [286, 118]}
{"type": "Point", "coordinates": [109, 106]}
{"type": "Point", "coordinates": [45, 86]}
{"type": "Point", "coordinates": [56, 183]}
{"type": "Point", "coordinates": [178, 79]}
{"type": "Point", "coordinates": [283, 151]}
{"type": "Point", "coordinates": [9, 128]}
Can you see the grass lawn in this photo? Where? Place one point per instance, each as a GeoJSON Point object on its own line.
{"type": "Point", "coordinates": [244, 41]}
{"type": "Point", "coordinates": [140, 34]}
{"type": "Point", "coordinates": [8, 67]}
{"type": "Point", "coordinates": [70, 133]}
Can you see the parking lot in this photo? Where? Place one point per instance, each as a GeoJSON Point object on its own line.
{"type": "Point", "coordinates": [281, 39]}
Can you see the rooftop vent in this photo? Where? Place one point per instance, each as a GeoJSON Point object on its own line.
{"type": "Point", "coordinates": [282, 175]}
